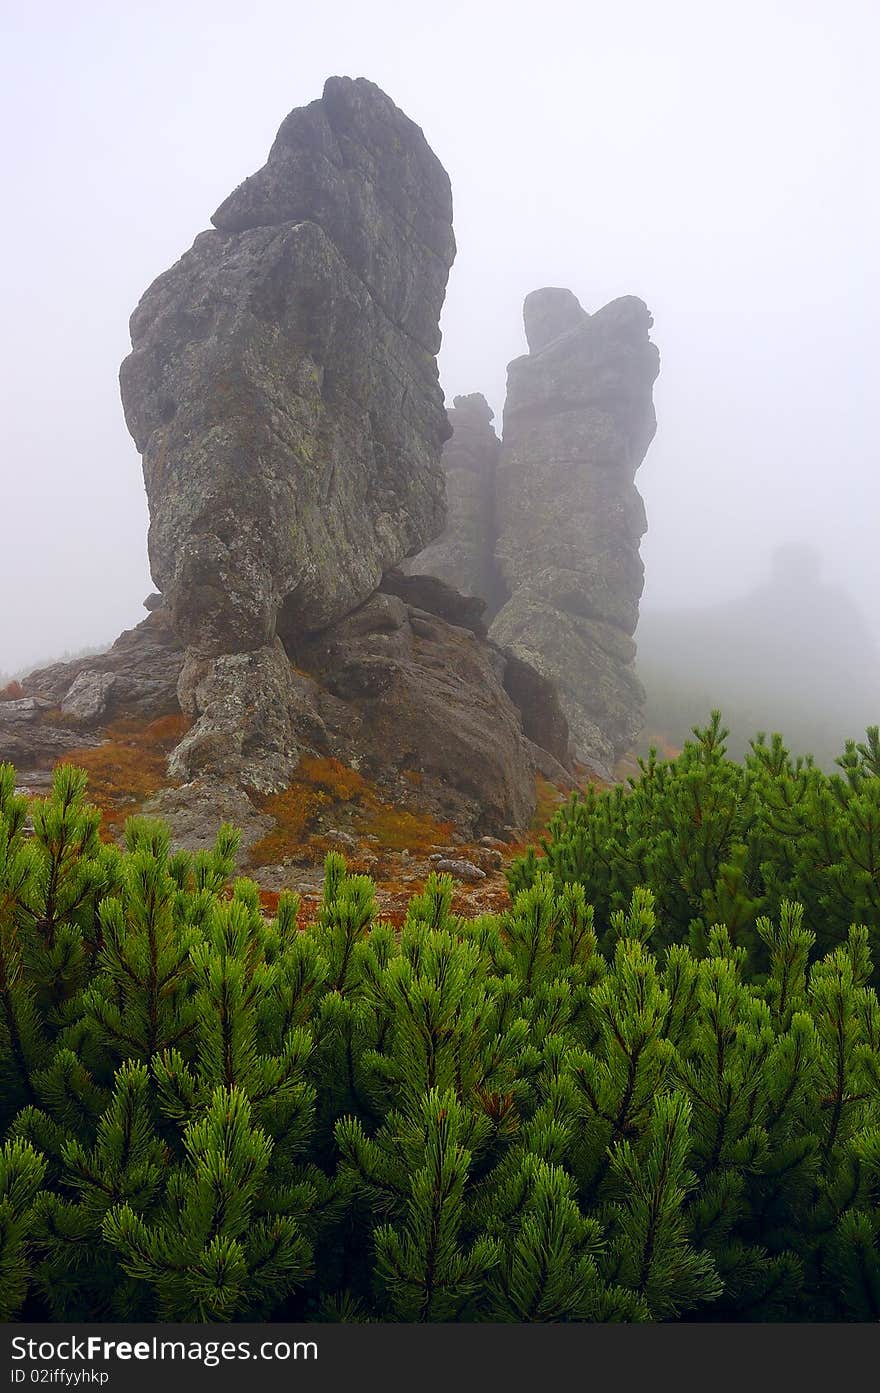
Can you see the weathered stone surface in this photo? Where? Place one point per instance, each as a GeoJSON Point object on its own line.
{"type": "Point", "coordinates": [282, 385]}
{"type": "Point", "coordinates": [87, 698]}
{"type": "Point", "coordinates": [599, 691]}
{"type": "Point", "coordinates": [537, 700]}
{"type": "Point", "coordinates": [434, 595]}
{"type": "Point", "coordinates": [254, 716]}
{"type": "Point", "coordinates": [29, 736]}
{"type": "Point", "coordinates": [283, 391]}
{"type": "Point", "coordinates": [461, 870]}
{"type": "Point", "coordinates": [463, 553]}
{"type": "Point", "coordinates": [578, 420]}
{"type": "Point", "coordinates": [195, 811]}
{"type": "Point", "coordinates": [406, 690]}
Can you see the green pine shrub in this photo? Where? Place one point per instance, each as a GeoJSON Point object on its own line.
{"type": "Point", "coordinates": [721, 842]}
{"type": "Point", "coordinates": [648, 1090]}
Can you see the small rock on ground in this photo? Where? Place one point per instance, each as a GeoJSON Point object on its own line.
{"type": "Point", "coordinates": [462, 870]}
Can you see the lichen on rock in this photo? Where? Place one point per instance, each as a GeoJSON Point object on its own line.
{"type": "Point", "coordinates": [282, 385]}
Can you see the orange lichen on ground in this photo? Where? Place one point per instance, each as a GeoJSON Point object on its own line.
{"type": "Point", "coordinates": [398, 829]}
{"type": "Point", "coordinates": [294, 811]}
{"type": "Point", "coordinates": [337, 779]}
{"type": "Point", "coordinates": [13, 691]}
{"type": "Point", "coordinates": [129, 766]}
{"type": "Point", "coordinates": [323, 786]}
{"type": "Point", "coordinates": [319, 783]}
{"type": "Point", "coordinates": [269, 902]}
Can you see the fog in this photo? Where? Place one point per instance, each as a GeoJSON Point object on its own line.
{"type": "Point", "coordinates": [757, 658]}
{"type": "Point", "coordinates": [717, 160]}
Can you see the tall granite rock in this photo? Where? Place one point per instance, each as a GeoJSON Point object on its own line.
{"type": "Point", "coordinates": [578, 420]}
{"type": "Point", "coordinates": [463, 554]}
{"type": "Point", "coordinates": [283, 391]}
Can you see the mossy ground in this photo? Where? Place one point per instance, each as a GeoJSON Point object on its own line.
{"type": "Point", "coordinates": [328, 806]}
{"type": "Point", "coordinates": [326, 791]}
{"type": "Point", "coordinates": [129, 766]}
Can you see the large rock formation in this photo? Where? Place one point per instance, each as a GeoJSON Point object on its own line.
{"type": "Point", "coordinates": [283, 391]}
{"type": "Point", "coordinates": [578, 420]}
{"type": "Point", "coordinates": [550, 536]}
{"type": "Point", "coordinates": [463, 553]}
{"type": "Point", "coordinates": [282, 388]}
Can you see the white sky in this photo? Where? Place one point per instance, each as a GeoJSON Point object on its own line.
{"type": "Point", "coordinates": [717, 160]}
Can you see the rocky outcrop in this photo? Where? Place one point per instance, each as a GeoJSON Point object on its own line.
{"type": "Point", "coordinates": [547, 529]}
{"type": "Point", "coordinates": [283, 390]}
{"type": "Point", "coordinates": [136, 678]}
{"type": "Point", "coordinates": [406, 690]}
{"type": "Point", "coordinates": [30, 736]}
{"type": "Point", "coordinates": [463, 553]}
{"type": "Point", "coordinates": [578, 420]}
{"type": "Point", "coordinates": [67, 705]}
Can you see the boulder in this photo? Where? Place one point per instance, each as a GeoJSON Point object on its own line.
{"type": "Point", "coordinates": [429, 593]}
{"type": "Point", "coordinates": [88, 695]}
{"type": "Point", "coordinates": [404, 690]}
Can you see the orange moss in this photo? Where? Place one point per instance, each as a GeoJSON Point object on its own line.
{"type": "Point", "coordinates": [129, 766]}
{"type": "Point", "coordinates": [269, 901]}
{"type": "Point", "coordinates": [322, 785]}
{"type": "Point", "coordinates": [294, 811]}
{"type": "Point", "coordinates": [333, 777]}
{"type": "Point", "coordinates": [414, 777]}
{"type": "Point", "coordinates": [400, 830]}
{"type": "Point", "coordinates": [13, 691]}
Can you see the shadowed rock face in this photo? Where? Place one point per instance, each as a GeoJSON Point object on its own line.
{"type": "Point", "coordinates": [282, 385]}
{"type": "Point", "coordinates": [578, 420]}
{"type": "Point", "coordinates": [463, 553]}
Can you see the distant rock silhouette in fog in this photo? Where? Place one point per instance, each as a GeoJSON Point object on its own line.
{"type": "Point", "coordinates": [546, 525]}
{"type": "Point", "coordinates": [794, 655]}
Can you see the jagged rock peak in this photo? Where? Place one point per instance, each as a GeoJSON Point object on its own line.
{"type": "Point", "coordinates": [353, 163]}
{"type": "Point", "coordinates": [578, 420]}
{"type": "Point", "coordinates": [283, 391]}
{"type": "Point", "coordinates": [472, 407]}
{"type": "Point", "coordinates": [549, 313]}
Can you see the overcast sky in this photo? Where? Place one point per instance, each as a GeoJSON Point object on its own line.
{"type": "Point", "coordinates": [717, 160]}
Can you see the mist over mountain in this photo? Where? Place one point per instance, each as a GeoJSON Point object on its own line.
{"type": "Point", "coordinates": [795, 654]}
